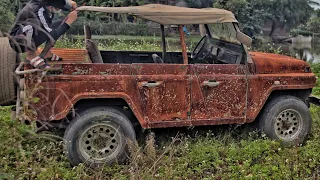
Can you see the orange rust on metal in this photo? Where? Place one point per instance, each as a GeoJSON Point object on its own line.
{"type": "Point", "coordinates": [292, 74]}
{"type": "Point", "coordinates": [183, 45]}
{"type": "Point", "coordinates": [70, 55]}
{"type": "Point", "coordinates": [172, 95]}
{"type": "Point", "coordinates": [226, 100]}
{"type": "Point", "coordinates": [267, 63]}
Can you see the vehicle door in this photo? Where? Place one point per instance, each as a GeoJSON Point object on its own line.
{"type": "Point", "coordinates": [219, 92]}
{"type": "Point", "coordinates": [164, 91]}
{"type": "Point", "coordinates": [219, 89]}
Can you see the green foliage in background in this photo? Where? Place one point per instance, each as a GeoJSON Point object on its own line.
{"type": "Point", "coordinates": [314, 25]}
{"type": "Point", "coordinates": [115, 28]}
{"type": "Point", "coordinates": [199, 3]}
{"type": "Point", "coordinates": [310, 27]}
{"type": "Point", "coordinates": [253, 13]}
{"type": "Point", "coordinates": [6, 14]}
{"type": "Point", "coordinates": [129, 43]}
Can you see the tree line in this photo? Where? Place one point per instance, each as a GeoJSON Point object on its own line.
{"type": "Point", "coordinates": [296, 15]}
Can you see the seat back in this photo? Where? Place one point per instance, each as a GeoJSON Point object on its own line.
{"type": "Point", "coordinates": [92, 46]}
{"type": "Point", "coordinates": [157, 59]}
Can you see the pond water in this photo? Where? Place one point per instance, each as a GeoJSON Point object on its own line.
{"type": "Point", "coordinates": [309, 52]}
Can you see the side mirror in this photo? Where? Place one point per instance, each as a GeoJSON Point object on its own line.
{"type": "Point", "coordinates": [244, 39]}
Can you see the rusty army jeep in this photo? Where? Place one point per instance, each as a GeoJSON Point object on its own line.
{"type": "Point", "coordinates": [103, 98]}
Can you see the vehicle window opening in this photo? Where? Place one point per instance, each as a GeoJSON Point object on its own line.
{"type": "Point", "coordinates": [219, 46]}
{"type": "Point", "coordinates": [161, 47]}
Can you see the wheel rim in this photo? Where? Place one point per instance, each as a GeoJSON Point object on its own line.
{"type": "Point", "coordinates": [100, 142]}
{"type": "Point", "coordinates": [288, 124]}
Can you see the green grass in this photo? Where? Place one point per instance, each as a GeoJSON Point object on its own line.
{"type": "Point", "coordinates": [316, 70]}
{"type": "Point", "coordinates": [130, 43]}
{"type": "Point", "coordinates": [224, 152]}
{"type": "Point", "coordinates": [140, 38]}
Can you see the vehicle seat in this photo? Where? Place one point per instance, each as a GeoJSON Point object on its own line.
{"type": "Point", "coordinates": [92, 46]}
{"type": "Point", "coordinates": [157, 59]}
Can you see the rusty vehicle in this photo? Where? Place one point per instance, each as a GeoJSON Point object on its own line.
{"type": "Point", "coordinates": [102, 97]}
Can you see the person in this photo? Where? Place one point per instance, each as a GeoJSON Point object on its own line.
{"type": "Point", "coordinates": [34, 26]}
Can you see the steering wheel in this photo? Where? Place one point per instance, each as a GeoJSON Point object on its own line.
{"type": "Point", "coordinates": [201, 52]}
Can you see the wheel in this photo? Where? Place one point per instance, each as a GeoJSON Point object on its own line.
{"type": "Point", "coordinates": [98, 136]}
{"type": "Point", "coordinates": [8, 59]}
{"type": "Point", "coordinates": [287, 119]}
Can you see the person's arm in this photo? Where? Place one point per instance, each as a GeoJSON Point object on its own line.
{"type": "Point", "coordinates": [62, 29]}
{"type": "Point", "coordinates": [55, 33]}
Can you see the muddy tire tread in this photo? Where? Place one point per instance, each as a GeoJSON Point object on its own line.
{"type": "Point", "coordinates": [8, 59]}
{"type": "Point", "coordinates": [269, 113]}
{"type": "Point", "coordinates": [76, 125]}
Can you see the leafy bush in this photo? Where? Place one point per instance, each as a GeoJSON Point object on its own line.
{"type": "Point", "coordinates": [253, 13]}
{"type": "Point", "coordinates": [300, 31]}
{"type": "Point", "coordinates": [115, 28]}
{"type": "Point", "coordinates": [6, 15]}
{"type": "Point", "coordinates": [314, 24]}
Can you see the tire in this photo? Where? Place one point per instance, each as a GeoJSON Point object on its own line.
{"type": "Point", "coordinates": [98, 136]}
{"type": "Point", "coordinates": [286, 118]}
{"type": "Point", "coordinates": [8, 59]}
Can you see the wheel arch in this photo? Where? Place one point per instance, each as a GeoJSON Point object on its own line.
{"type": "Point", "coordinates": [117, 103]}
{"type": "Point", "coordinates": [302, 94]}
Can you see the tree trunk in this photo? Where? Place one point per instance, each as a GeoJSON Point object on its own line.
{"type": "Point", "coordinates": [273, 28]}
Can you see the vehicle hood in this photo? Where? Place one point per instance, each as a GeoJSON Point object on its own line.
{"type": "Point", "coordinates": [267, 63]}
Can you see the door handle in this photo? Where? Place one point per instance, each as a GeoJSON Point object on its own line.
{"type": "Point", "coordinates": [65, 78]}
{"type": "Point", "coordinates": [150, 84]}
{"type": "Point", "coordinates": [211, 83]}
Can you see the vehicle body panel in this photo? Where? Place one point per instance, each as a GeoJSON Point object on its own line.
{"type": "Point", "coordinates": [86, 81]}
{"type": "Point", "coordinates": [271, 72]}
{"type": "Point", "coordinates": [222, 100]}
{"type": "Point", "coordinates": [180, 99]}
{"type": "Point", "coordinates": [164, 91]}
{"type": "Point", "coordinates": [267, 63]}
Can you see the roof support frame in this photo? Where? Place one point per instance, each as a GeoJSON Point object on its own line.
{"type": "Point", "coordinates": [164, 45]}
{"type": "Point", "coordinates": [183, 46]}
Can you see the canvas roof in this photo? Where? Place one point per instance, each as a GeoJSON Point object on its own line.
{"type": "Point", "coordinates": [170, 15]}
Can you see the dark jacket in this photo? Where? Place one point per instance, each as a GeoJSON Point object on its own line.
{"type": "Point", "coordinates": [36, 15]}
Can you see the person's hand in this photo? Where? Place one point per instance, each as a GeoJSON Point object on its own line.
{"type": "Point", "coordinates": [72, 17]}
{"type": "Point", "coordinates": [73, 4]}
